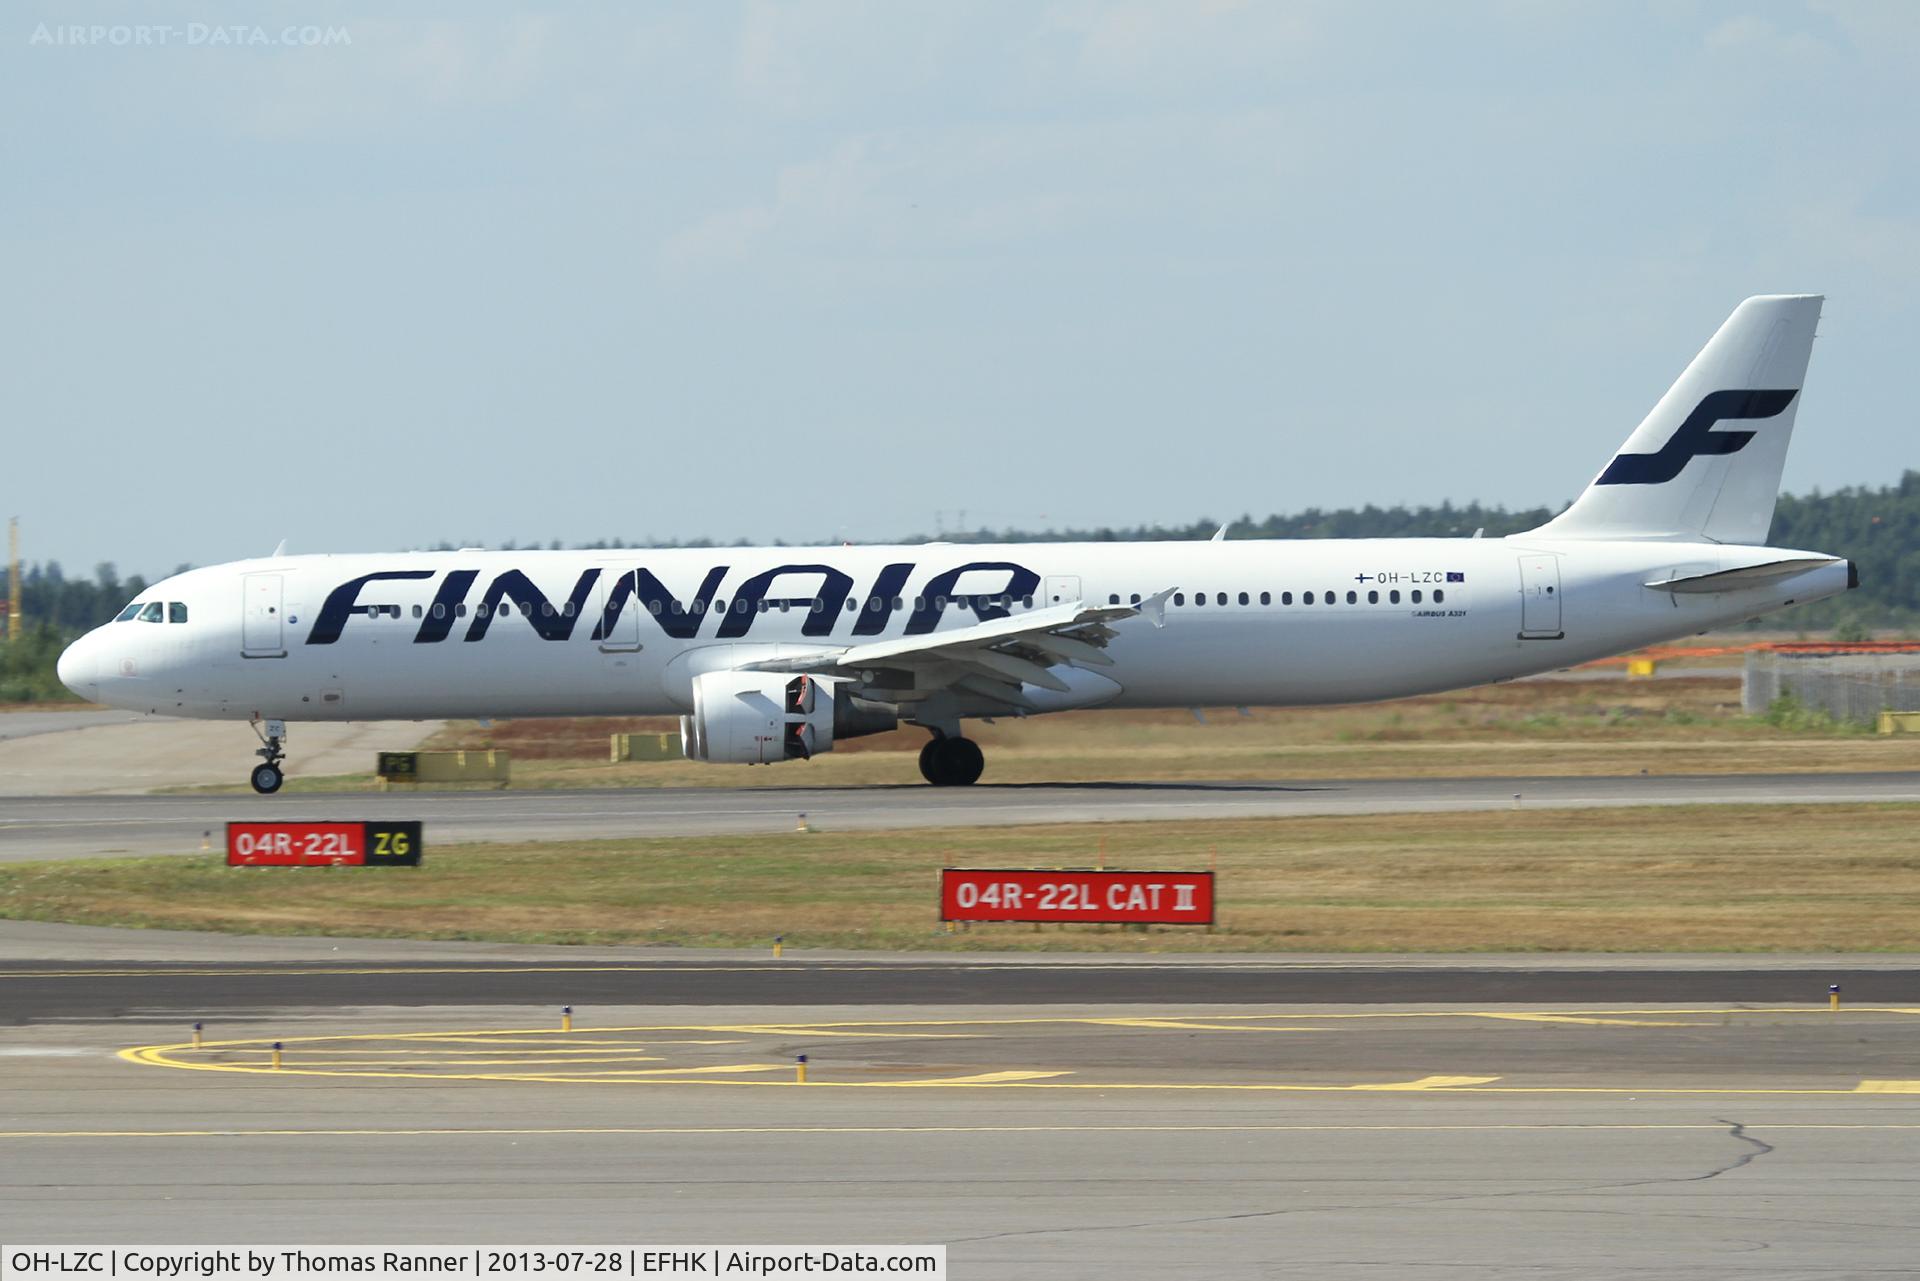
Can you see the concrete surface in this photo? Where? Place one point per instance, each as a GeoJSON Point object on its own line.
{"type": "Point", "coordinates": [79, 753]}
{"type": "Point", "coordinates": [54, 827]}
{"type": "Point", "coordinates": [1173, 1141]}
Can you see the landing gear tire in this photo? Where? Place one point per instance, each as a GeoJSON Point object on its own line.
{"type": "Point", "coordinates": [951, 762]}
{"type": "Point", "coordinates": [266, 777]}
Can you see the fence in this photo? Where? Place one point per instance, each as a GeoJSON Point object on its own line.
{"type": "Point", "coordinates": [1849, 687]}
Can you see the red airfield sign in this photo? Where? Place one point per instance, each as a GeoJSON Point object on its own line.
{"type": "Point", "coordinates": [1145, 898]}
{"type": "Point", "coordinates": [323, 844]}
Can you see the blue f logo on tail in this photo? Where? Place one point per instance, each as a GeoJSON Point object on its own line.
{"type": "Point", "coordinates": [1696, 437]}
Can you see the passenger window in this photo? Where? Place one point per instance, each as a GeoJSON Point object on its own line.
{"type": "Point", "coordinates": [439, 609]}
{"type": "Point", "coordinates": [1393, 597]}
{"type": "Point", "coordinates": [1113, 599]}
{"type": "Point", "coordinates": [1327, 599]}
{"type": "Point", "coordinates": [1245, 599]}
{"type": "Point", "coordinates": [1179, 598]}
{"type": "Point", "coordinates": [460, 610]}
{"type": "Point", "coordinates": [1266, 598]}
{"type": "Point", "coordinates": [1286, 598]}
{"type": "Point", "coordinates": [939, 602]}
{"type": "Point", "coordinates": [1026, 602]}
{"type": "Point", "coordinates": [1308, 598]}
{"type": "Point", "coordinates": [1199, 598]}
{"type": "Point", "coordinates": [899, 603]}
{"type": "Point", "coordinates": [417, 612]}
{"type": "Point", "coordinates": [1373, 598]}
{"type": "Point", "coordinates": [919, 603]}
{"type": "Point", "coordinates": [853, 606]}
{"type": "Point", "coordinates": [1416, 595]}
{"type": "Point", "coordinates": [1135, 599]}
{"type": "Point", "coordinates": [151, 612]}
{"type": "Point", "coordinates": [1439, 597]}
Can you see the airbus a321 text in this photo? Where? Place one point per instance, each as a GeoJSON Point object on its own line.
{"type": "Point", "coordinates": [777, 654]}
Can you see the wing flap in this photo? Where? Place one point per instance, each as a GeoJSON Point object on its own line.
{"type": "Point", "coordinates": [1011, 652]}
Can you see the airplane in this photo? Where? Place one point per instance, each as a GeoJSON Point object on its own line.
{"type": "Point", "coordinates": [777, 654]}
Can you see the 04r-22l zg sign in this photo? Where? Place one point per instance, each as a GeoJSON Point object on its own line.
{"type": "Point", "coordinates": [323, 844]}
{"type": "Point", "coordinates": [1089, 897]}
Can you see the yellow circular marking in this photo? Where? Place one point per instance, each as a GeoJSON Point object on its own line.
{"type": "Point", "coordinates": [642, 1055]}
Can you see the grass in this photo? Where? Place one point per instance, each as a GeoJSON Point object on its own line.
{"type": "Point", "coordinates": [1685, 725]}
{"type": "Point", "coordinates": [1691, 879]}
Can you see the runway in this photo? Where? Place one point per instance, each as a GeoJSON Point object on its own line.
{"type": "Point", "coordinates": [58, 827]}
{"type": "Point", "coordinates": [32, 991]}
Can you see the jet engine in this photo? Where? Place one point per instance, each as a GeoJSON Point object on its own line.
{"type": "Point", "coordinates": [752, 718]}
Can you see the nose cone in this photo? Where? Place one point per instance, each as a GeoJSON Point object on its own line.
{"type": "Point", "coordinates": [78, 668]}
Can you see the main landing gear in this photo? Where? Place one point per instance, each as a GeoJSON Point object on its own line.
{"type": "Point", "coordinates": [951, 761]}
{"type": "Point", "coordinates": [267, 777]}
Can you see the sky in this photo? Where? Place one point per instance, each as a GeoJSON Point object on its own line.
{"type": "Point", "coordinates": [369, 280]}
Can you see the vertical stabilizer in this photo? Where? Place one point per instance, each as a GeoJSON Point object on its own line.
{"type": "Point", "coordinates": [1706, 463]}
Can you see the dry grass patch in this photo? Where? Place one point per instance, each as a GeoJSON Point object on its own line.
{"type": "Point", "coordinates": [1540, 728]}
{"type": "Point", "coordinates": [1708, 878]}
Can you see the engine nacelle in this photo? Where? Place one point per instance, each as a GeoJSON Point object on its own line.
{"type": "Point", "coordinates": [752, 718]}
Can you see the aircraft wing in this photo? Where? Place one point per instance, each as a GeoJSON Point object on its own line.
{"type": "Point", "coordinates": [992, 659]}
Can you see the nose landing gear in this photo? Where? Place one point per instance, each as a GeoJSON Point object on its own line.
{"type": "Point", "coordinates": [266, 778]}
{"type": "Point", "coordinates": [951, 761]}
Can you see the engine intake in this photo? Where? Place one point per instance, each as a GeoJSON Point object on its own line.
{"type": "Point", "coordinates": [751, 718]}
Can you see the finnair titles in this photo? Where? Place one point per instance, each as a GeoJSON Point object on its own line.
{"type": "Point", "coordinates": [771, 654]}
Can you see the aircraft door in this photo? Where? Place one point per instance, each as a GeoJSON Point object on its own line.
{"type": "Point", "coordinates": [622, 635]}
{"type": "Point", "coordinates": [1060, 589]}
{"type": "Point", "coordinates": [262, 621]}
{"type": "Point", "coordinates": [1540, 598]}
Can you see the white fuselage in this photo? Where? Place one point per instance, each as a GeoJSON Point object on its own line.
{"type": "Point", "coordinates": [576, 633]}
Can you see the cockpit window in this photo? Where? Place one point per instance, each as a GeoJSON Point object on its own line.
{"type": "Point", "coordinates": [127, 613]}
{"type": "Point", "coordinates": [176, 611]}
{"type": "Point", "coordinates": [152, 612]}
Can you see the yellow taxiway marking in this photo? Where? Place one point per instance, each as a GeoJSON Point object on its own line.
{"type": "Point", "coordinates": [1336, 1128]}
{"type": "Point", "coordinates": [1429, 1083]}
{"type": "Point", "coordinates": [579, 1057]}
{"type": "Point", "coordinates": [809, 1029]}
{"type": "Point", "coordinates": [986, 1078]}
{"type": "Point", "coordinates": [716, 1069]}
{"type": "Point", "coordinates": [1185, 1025]}
{"type": "Point", "coordinates": [430, 1062]}
{"type": "Point", "coordinates": [1591, 1021]}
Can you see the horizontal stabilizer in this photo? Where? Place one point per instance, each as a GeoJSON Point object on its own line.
{"type": "Point", "coordinates": [1733, 580]}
